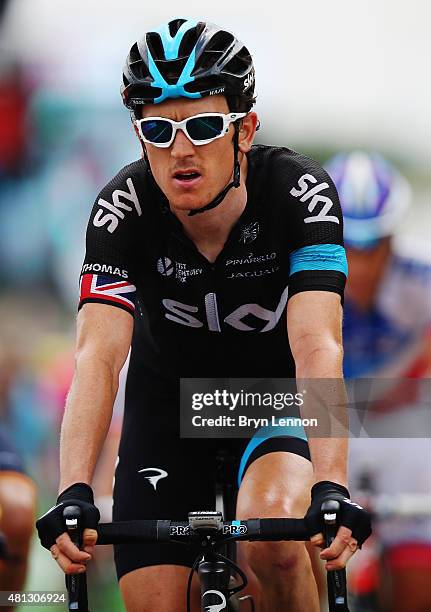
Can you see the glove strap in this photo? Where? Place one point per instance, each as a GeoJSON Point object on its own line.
{"type": "Point", "coordinates": [326, 485]}
{"type": "Point", "coordinates": [79, 490]}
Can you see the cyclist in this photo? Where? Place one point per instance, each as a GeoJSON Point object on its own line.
{"type": "Point", "coordinates": [17, 493]}
{"type": "Point", "coordinates": [387, 333]}
{"type": "Point", "coordinates": [200, 241]}
{"type": "Point", "coordinates": [17, 513]}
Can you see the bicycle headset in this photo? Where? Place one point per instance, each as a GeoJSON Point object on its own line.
{"type": "Point", "coordinates": [374, 196]}
{"type": "Point", "coordinates": [191, 59]}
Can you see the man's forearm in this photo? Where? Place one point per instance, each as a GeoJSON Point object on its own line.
{"type": "Point", "coordinates": [86, 420]}
{"type": "Point", "coordinates": [321, 370]}
{"type": "Point", "coordinates": [329, 457]}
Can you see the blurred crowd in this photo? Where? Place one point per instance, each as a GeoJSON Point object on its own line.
{"type": "Point", "coordinates": [51, 169]}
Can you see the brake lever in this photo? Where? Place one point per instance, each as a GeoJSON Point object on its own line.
{"type": "Point", "coordinates": [337, 581]}
{"type": "Point", "coordinates": [76, 584]}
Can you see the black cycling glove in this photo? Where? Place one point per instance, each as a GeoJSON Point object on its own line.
{"type": "Point", "coordinates": [51, 524]}
{"type": "Point", "coordinates": [351, 515]}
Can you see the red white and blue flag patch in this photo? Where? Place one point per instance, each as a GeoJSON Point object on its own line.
{"type": "Point", "coordinates": [107, 290]}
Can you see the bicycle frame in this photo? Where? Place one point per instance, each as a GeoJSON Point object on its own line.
{"type": "Point", "coordinates": [226, 491]}
{"type": "Point", "coordinates": [214, 576]}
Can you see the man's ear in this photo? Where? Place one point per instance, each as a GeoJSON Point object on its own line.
{"type": "Point", "coordinates": [247, 131]}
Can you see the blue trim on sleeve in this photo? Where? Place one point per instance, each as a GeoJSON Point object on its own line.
{"type": "Point", "coordinates": [319, 257]}
{"type": "Point", "coordinates": [265, 433]}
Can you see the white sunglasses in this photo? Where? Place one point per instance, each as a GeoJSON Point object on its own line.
{"type": "Point", "coordinates": [199, 129]}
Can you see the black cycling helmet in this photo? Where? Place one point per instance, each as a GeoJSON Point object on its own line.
{"type": "Point", "coordinates": [191, 59]}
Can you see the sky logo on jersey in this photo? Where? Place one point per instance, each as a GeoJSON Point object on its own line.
{"type": "Point", "coordinates": [306, 192]}
{"type": "Point", "coordinates": [107, 290]}
{"type": "Point", "coordinates": [265, 319]}
{"type": "Point", "coordinates": [110, 213]}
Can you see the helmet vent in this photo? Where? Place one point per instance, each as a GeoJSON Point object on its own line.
{"type": "Point", "coordinates": [214, 51]}
{"type": "Point", "coordinates": [239, 64]}
{"type": "Point", "coordinates": [155, 45]}
{"type": "Point", "coordinates": [138, 67]}
{"type": "Point", "coordinates": [134, 55]}
{"type": "Point", "coordinates": [175, 25]}
{"type": "Point", "coordinates": [143, 94]}
{"type": "Point", "coordinates": [221, 41]}
{"type": "Point", "coordinates": [171, 69]}
{"type": "Point", "coordinates": [188, 42]}
{"type": "Point", "coordinates": [204, 84]}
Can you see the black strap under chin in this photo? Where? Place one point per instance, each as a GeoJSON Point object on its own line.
{"type": "Point", "coordinates": [235, 183]}
{"type": "Point", "coordinates": [218, 199]}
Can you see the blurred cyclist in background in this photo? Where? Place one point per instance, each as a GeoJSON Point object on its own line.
{"type": "Point", "coordinates": [17, 515]}
{"type": "Point", "coordinates": [17, 496]}
{"type": "Point", "coordinates": [387, 333]}
{"type": "Point", "coordinates": [388, 297]}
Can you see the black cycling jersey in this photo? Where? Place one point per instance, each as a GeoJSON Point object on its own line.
{"type": "Point", "coordinates": [194, 318]}
{"type": "Point", "coordinates": [228, 318]}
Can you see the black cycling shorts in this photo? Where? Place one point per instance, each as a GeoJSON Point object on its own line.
{"type": "Point", "coordinates": [162, 476]}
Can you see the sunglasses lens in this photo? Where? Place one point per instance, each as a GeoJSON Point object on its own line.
{"type": "Point", "coordinates": [157, 130]}
{"type": "Point", "coordinates": [205, 128]}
